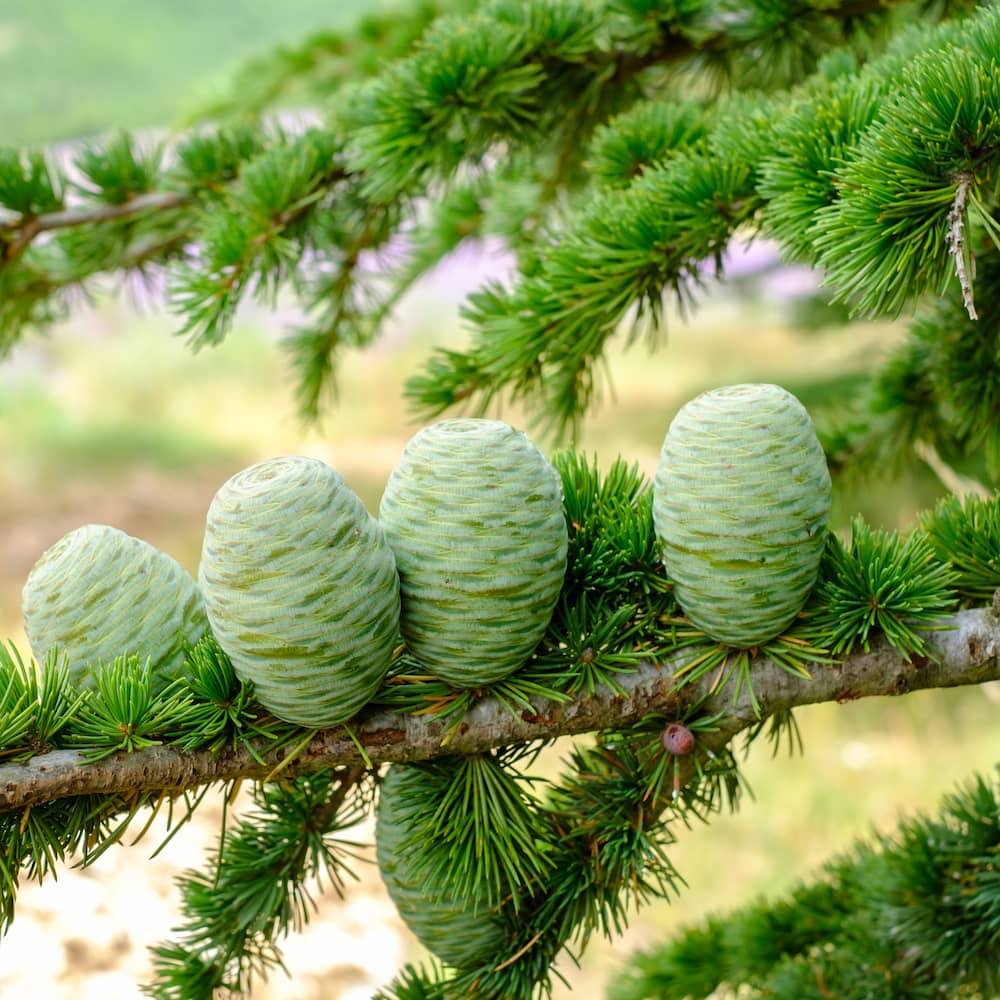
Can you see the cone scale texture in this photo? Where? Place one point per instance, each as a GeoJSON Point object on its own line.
{"type": "Point", "coordinates": [473, 513]}
{"type": "Point", "coordinates": [454, 932]}
{"type": "Point", "coordinates": [741, 501]}
{"type": "Point", "coordinates": [301, 589]}
{"type": "Point", "coordinates": [99, 593]}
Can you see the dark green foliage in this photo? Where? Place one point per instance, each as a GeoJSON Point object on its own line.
{"type": "Point", "coordinates": [528, 108]}
{"type": "Point", "coordinates": [456, 922]}
{"type": "Point", "coordinates": [453, 813]}
{"type": "Point", "coordinates": [544, 338]}
{"type": "Point", "coordinates": [612, 847]}
{"type": "Point", "coordinates": [623, 250]}
{"type": "Point", "coordinates": [917, 915]}
{"type": "Point", "coordinates": [219, 711]}
{"type": "Point", "coordinates": [466, 84]}
{"type": "Point", "coordinates": [687, 969]}
{"type": "Point", "coordinates": [796, 179]}
{"type": "Point", "coordinates": [612, 543]}
{"type": "Point", "coordinates": [966, 534]}
{"type": "Point", "coordinates": [640, 138]}
{"type": "Point", "coordinates": [560, 862]}
{"type": "Point", "coordinates": [118, 169]}
{"type": "Point", "coordinates": [802, 644]}
{"type": "Point", "coordinates": [727, 950]}
{"type": "Point", "coordinates": [616, 147]}
{"type": "Point", "coordinates": [37, 841]}
{"type": "Point", "coordinates": [415, 983]}
{"type": "Point", "coordinates": [616, 611]}
{"type": "Point", "coordinates": [904, 401]}
{"type": "Point", "coordinates": [255, 889]}
{"type": "Point", "coordinates": [588, 644]}
{"type": "Point", "coordinates": [251, 241]}
{"type": "Point", "coordinates": [124, 711]}
{"type": "Point", "coordinates": [27, 185]}
{"type": "Point", "coordinates": [941, 386]}
{"type": "Point", "coordinates": [601, 804]}
{"type": "Point", "coordinates": [660, 769]}
{"type": "Point", "coordinates": [606, 840]}
{"type": "Point", "coordinates": [886, 238]}
{"type": "Point", "coordinates": [36, 704]}
{"type": "Point", "coordinates": [942, 873]}
{"type": "Point", "coordinates": [882, 582]}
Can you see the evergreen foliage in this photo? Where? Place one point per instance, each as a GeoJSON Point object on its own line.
{"type": "Point", "coordinates": [916, 914]}
{"type": "Point", "coordinates": [257, 885]}
{"type": "Point", "coordinates": [942, 384]}
{"type": "Point", "coordinates": [557, 125]}
{"type": "Point", "coordinates": [126, 711]}
{"type": "Point", "coordinates": [38, 704]}
{"type": "Point", "coordinates": [967, 534]}
{"type": "Point", "coordinates": [881, 580]}
{"type": "Point", "coordinates": [606, 844]}
{"type": "Point", "coordinates": [451, 813]}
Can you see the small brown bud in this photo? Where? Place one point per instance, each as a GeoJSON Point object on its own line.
{"type": "Point", "coordinates": [677, 739]}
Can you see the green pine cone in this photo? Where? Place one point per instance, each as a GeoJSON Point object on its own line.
{"type": "Point", "coordinates": [473, 512]}
{"type": "Point", "coordinates": [99, 593]}
{"type": "Point", "coordinates": [458, 934]}
{"type": "Point", "coordinates": [740, 504]}
{"type": "Point", "coordinates": [301, 590]}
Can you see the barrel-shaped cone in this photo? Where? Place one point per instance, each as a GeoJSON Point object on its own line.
{"type": "Point", "coordinates": [99, 593]}
{"type": "Point", "coordinates": [473, 512]}
{"type": "Point", "coordinates": [741, 501]}
{"type": "Point", "coordinates": [301, 589]}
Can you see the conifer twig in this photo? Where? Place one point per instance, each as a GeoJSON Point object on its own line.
{"type": "Point", "coordinates": [951, 480]}
{"type": "Point", "coordinates": [966, 652]}
{"type": "Point", "coordinates": [964, 262]}
{"type": "Point", "coordinates": [28, 227]}
{"type": "Point", "coordinates": [152, 201]}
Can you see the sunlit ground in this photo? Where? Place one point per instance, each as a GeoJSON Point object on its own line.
{"type": "Point", "coordinates": [112, 420]}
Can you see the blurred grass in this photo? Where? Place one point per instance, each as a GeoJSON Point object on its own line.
{"type": "Point", "coordinates": [69, 69]}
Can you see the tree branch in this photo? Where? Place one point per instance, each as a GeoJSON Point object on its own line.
{"type": "Point", "coordinates": [154, 201]}
{"type": "Point", "coordinates": [957, 242]}
{"type": "Point", "coordinates": [18, 233]}
{"type": "Point", "coordinates": [966, 653]}
{"type": "Point", "coordinates": [25, 228]}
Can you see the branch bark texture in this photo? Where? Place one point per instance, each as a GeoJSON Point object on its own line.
{"type": "Point", "coordinates": [968, 652]}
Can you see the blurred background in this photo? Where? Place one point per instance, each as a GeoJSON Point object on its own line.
{"type": "Point", "coordinates": [111, 419]}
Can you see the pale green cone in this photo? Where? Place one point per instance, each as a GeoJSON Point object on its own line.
{"type": "Point", "coordinates": [301, 589]}
{"type": "Point", "coordinates": [99, 593]}
{"type": "Point", "coordinates": [740, 505]}
{"type": "Point", "coordinates": [455, 932]}
{"type": "Point", "coordinates": [473, 512]}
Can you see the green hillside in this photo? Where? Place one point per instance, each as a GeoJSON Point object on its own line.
{"type": "Point", "coordinates": [69, 69]}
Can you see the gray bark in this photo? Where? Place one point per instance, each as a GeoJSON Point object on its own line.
{"type": "Point", "coordinates": [968, 652]}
